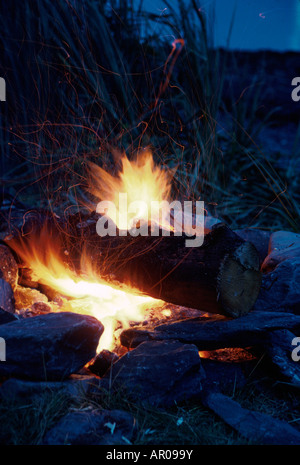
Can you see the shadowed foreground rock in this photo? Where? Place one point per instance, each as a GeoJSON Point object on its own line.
{"type": "Point", "coordinates": [255, 426]}
{"type": "Point", "coordinates": [280, 290]}
{"type": "Point", "coordinates": [159, 373]}
{"type": "Point", "coordinates": [92, 428]}
{"type": "Point", "coordinates": [6, 317]}
{"type": "Point", "coordinates": [49, 347]}
{"type": "Point", "coordinates": [216, 333]}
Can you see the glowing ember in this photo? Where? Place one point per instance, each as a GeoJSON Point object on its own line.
{"type": "Point", "coordinates": [86, 293]}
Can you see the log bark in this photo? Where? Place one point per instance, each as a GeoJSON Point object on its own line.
{"type": "Point", "coordinates": [222, 276]}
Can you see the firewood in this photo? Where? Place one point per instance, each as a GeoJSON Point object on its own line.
{"type": "Point", "coordinates": [222, 276]}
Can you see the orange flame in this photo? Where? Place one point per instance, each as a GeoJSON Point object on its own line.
{"type": "Point", "coordinates": [142, 181]}
{"type": "Point", "coordinates": [86, 292]}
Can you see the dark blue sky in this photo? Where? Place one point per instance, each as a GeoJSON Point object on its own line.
{"type": "Point", "coordinates": [259, 24]}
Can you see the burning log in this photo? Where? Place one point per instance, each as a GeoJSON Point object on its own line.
{"type": "Point", "coordinates": [222, 276]}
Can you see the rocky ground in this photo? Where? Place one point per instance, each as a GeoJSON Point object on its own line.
{"type": "Point", "coordinates": [190, 357]}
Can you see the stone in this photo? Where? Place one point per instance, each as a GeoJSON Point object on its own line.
{"type": "Point", "coordinates": [280, 289]}
{"type": "Point", "coordinates": [255, 426]}
{"type": "Point", "coordinates": [49, 347]}
{"type": "Point", "coordinates": [210, 333]}
{"type": "Point", "coordinates": [281, 240]}
{"type": "Point", "coordinates": [259, 238]}
{"type": "Point", "coordinates": [7, 300]}
{"type": "Point", "coordinates": [98, 427]}
{"type": "Point", "coordinates": [283, 245]}
{"type": "Point", "coordinates": [223, 376]}
{"type": "Point", "coordinates": [158, 373]}
{"type": "Point", "coordinates": [102, 362]}
{"type": "Point", "coordinates": [6, 317]}
{"type": "Point", "coordinates": [8, 266]}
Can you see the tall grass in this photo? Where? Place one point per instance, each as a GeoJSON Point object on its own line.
{"type": "Point", "coordinates": [83, 77]}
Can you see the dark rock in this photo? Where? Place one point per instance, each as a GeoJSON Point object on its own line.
{"type": "Point", "coordinates": [255, 426]}
{"type": "Point", "coordinates": [104, 427]}
{"type": "Point", "coordinates": [49, 347]}
{"type": "Point", "coordinates": [223, 376]}
{"type": "Point", "coordinates": [102, 362]}
{"type": "Point", "coordinates": [158, 373]}
{"type": "Point", "coordinates": [133, 337]}
{"type": "Point", "coordinates": [18, 389]}
{"type": "Point", "coordinates": [6, 317]}
{"type": "Point", "coordinates": [7, 301]}
{"type": "Point", "coordinates": [278, 349]}
{"type": "Point", "coordinates": [259, 238]}
{"type": "Point", "coordinates": [284, 245]}
{"type": "Point", "coordinates": [280, 289]}
{"type": "Point", "coordinates": [209, 333]}
{"type": "Point", "coordinates": [8, 266]}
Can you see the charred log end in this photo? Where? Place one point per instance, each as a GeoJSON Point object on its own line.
{"type": "Point", "coordinates": [239, 280]}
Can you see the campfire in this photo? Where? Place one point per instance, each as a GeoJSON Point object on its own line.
{"type": "Point", "coordinates": [121, 279]}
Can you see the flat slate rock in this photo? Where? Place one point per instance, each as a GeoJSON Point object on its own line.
{"type": "Point", "coordinates": [210, 333]}
{"type": "Point", "coordinates": [158, 373]}
{"type": "Point", "coordinates": [104, 427]}
{"type": "Point", "coordinates": [255, 426]}
{"type": "Point", "coordinates": [6, 317]}
{"type": "Point", "coordinates": [280, 289]}
{"type": "Point", "coordinates": [49, 347]}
